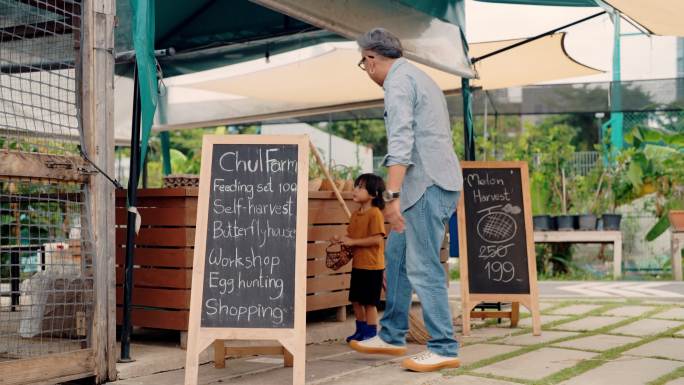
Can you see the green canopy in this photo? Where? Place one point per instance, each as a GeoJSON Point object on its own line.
{"type": "Point", "coordinates": [206, 34]}
{"type": "Point", "coordinates": [199, 35]}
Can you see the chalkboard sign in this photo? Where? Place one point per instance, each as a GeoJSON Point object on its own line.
{"type": "Point", "coordinates": [496, 233]}
{"type": "Point", "coordinates": [249, 268]}
{"type": "Point", "coordinates": [250, 247]}
{"type": "Point", "coordinates": [496, 244]}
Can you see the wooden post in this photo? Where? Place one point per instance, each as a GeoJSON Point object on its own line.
{"type": "Point", "coordinates": [317, 156]}
{"type": "Point", "coordinates": [97, 85]}
{"type": "Point", "coordinates": [677, 245]}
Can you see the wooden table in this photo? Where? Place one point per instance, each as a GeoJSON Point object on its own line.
{"type": "Point", "coordinates": [614, 237]}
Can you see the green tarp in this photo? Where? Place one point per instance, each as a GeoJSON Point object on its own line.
{"type": "Point", "coordinates": [143, 41]}
{"type": "Point", "coordinates": [451, 11]}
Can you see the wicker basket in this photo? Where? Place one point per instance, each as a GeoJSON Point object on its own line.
{"type": "Point", "coordinates": [337, 255]}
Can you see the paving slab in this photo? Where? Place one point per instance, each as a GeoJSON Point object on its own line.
{"type": "Point", "coordinates": [542, 307]}
{"type": "Point", "coordinates": [369, 359]}
{"type": "Point", "coordinates": [390, 374]}
{"type": "Point", "coordinates": [646, 327]}
{"type": "Point", "coordinates": [470, 380]}
{"type": "Point", "coordinates": [537, 364]}
{"type": "Point", "coordinates": [598, 343]}
{"type": "Point", "coordinates": [590, 323]}
{"type": "Point", "coordinates": [153, 358]}
{"type": "Point", "coordinates": [679, 381]}
{"type": "Point", "coordinates": [327, 349]}
{"type": "Point", "coordinates": [473, 353]}
{"type": "Point", "coordinates": [545, 319]}
{"type": "Point", "coordinates": [482, 334]}
{"type": "Point", "coordinates": [672, 348]}
{"type": "Point", "coordinates": [628, 311]}
{"type": "Point", "coordinates": [575, 309]}
{"type": "Point", "coordinates": [625, 371]}
{"type": "Point", "coordinates": [530, 339]}
{"type": "Point", "coordinates": [207, 374]}
{"type": "Point", "coordinates": [674, 313]}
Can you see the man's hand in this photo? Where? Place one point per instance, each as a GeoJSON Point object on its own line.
{"type": "Point", "coordinates": [393, 216]}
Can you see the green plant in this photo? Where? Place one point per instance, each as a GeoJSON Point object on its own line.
{"type": "Point", "coordinates": [581, 191]}
{"type": "Point", "coordinates": [657, 165]}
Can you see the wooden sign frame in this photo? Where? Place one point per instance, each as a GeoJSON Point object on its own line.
{"type": "Point", "coordinates": [471, 300]}
{"type": "Point", "coordinates": [292, 339]}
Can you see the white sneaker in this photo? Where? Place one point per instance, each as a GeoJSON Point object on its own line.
{"type": "Point", "coordinates": [428, 361]}
{"type": "Point", "coordinates": [376, 345]}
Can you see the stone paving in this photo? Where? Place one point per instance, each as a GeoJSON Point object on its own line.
{"type": "Point", "coordinates": [628, 311]}
{"type": "Point", "coordinates": [536, 364]}
{"type": "Point", "coordinates": [625, 371]}
{"type": "Point", "coordinates": [646, 327]}
{"type": "Point", "coordinates": [647, 348]}
{"type": "Point", "coordinates": [575, 309]}
{"type": "Point", "coordinates": [598, 343]}
{"type": "Point", "coordinates": [676, 313]}
{"type": "Point", "coordinates": [590, 323]}
{"type": "Point", "coordinates": [672, 348]}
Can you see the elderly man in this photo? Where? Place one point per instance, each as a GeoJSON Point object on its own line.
{"type": "Point", "coordinates": [423, 187]}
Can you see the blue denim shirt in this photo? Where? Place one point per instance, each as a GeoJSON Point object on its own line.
{"type": "Point", "coordinates": [419, 133]}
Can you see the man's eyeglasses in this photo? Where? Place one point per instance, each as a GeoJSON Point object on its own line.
{"type": "Point", "coordinates": [362, 62]}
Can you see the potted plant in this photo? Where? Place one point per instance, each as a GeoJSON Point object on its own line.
{"type": "Point", "coordinates": [613, 189]}
{"type": "Point", "coordinates": [541, 196]}
{"type": "Point", "coordinates": [566, 222]}
{"type": "Point", "coordinates": [583, 202]}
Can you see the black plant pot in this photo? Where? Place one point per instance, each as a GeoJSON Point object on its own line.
{"type": "Point", "coordinates": [566, 222]}
{"type": "Point", "coordinates": [575, 222]}
{"type": "Point", "coordinates": [587, 222]}
{"type": "Point", "coordinates": [542, 222]}
{"type": "Point", "coordinates": [554, 223]}
{"type": "Point", "coordinates": [611, 221]}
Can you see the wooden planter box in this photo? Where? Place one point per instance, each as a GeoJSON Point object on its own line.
{"type": "Point", "coordinates": [164, 255]}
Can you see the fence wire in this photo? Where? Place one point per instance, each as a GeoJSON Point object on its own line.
{"type": "Point", "coordinates": [46, 250]}
{"type": "Point", "coordinates": [39, 45]}
{"type": "Point", "coordinates": [46, 259]}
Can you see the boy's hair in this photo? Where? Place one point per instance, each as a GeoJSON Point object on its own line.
{"type": "Point", "coordinates": [375, 187]}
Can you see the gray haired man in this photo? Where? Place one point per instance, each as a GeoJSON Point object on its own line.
{"type": "Point", "coordinates": [423, 187]}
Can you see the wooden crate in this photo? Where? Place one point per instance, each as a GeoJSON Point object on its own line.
{"type": "Point", "coordinates": [164, 255]}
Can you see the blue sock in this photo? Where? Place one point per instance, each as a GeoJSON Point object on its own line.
{"type": "Point", "coordinates": [369, 331]}
{"type": "Point", "coordinates": [360, 327]}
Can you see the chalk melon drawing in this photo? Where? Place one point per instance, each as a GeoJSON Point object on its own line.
{"type": "Point", "coordinates": [498, 225]}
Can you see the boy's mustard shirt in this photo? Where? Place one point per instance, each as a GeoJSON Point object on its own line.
{"type": "Point", "coordinates": [366, 224]}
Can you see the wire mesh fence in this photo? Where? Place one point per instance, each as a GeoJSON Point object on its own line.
{"type": "Point", "coordinates": [39, 46]}
{"type": "Point", "coordinates": [46, 259]}
{"type": "Point", "coordinates": [46, 250]}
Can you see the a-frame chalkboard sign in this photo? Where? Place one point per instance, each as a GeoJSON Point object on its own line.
{"type": "Point", "coordinates": [249, 270]}
{"type": "Point", "coordinates": [496, 240]}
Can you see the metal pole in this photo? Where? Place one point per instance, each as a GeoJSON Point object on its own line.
{"type": "Point", "coordinates": [616, 115]}
{"type": "Point", "coordinates": [166, 152]}
{"type": "Point", "coordinates": [468, 135]}
{"type": "Point", "coordinates": [130, 225]}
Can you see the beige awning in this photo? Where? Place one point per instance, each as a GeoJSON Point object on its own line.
{"type": "Point", "coordinates": [661, 17]}
{"type": "Point", "coordinates": [426, 39]}
{"type": "Point", "coordinates": [327, 78]}
{"type": "Point", "coordinates": [540, 61]}
{"type": "Point", "coordinates": [324, 79]}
